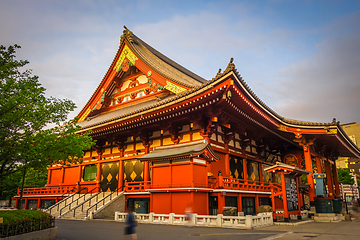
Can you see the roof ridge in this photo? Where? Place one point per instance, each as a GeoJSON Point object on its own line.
{"type": "Point", "coordinates": [188, 75]}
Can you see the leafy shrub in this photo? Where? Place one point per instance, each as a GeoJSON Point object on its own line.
{"type": "Point", "coordinates": [24, 221]}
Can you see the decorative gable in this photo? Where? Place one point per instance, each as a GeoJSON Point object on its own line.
{"type": "Point", "coordinates": [128, 81]}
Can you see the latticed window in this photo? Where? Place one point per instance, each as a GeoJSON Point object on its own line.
{"type": "Point", "coordinates": [89, 173]}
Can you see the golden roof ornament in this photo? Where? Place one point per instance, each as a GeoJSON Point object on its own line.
{"type": "Point", "coordinates": [219, 74]}
{"type": "Point", "coordinates": [230, 67]}
{"type": "Point", "coordinates": [127, 34]}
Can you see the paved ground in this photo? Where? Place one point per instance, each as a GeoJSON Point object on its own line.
{"type": "Point", "coordinates": [99, 229]}
{"type": "Point", "coordinates": [319, 231]}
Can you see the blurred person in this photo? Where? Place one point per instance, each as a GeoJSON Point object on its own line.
{"type": "Point", "coordinates": [130, 224]}
{"type": "Point", "coordinates": [188, 214]}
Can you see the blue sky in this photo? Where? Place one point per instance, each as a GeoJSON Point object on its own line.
{"type": "Point", "coordinates": [302, 58]}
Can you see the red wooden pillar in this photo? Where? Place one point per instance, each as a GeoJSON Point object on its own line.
{"type": "Point", "coordinates": [336, 180]}
{"type": "Point", "coordinates": [329, 180]}
{"type": "Point", "coordinates": [227, 160]}
{"type": "Point", "coordinates": [227, 165]}
{"type": "Point", "coordinates": [79, 178]}
{"type": "Point", "coordinates": [121, 175]}
{"type": "Point", "coordinates": [26, 203]}
{"type": "Point", "coordinates": [98, 175]}
{"type": "Point", "coordinates": [221, 202]}
{"type": "Point", "coordinates": [49, 176]}
{"type": "Point", "coordinates": [260, 173]}
{"type": "Point", "coordinates": [308, 166]}
{"type": "Point", "coordinates": [146, 172]}
{"type": "Point", "coordinates": [62, 175]}
{"type": "Point", "coordinates": [283, 187]}
{"type": "Point", "coordinates": [17, 203]}
{"type": "Point", "coordinates": [39, 203]}
{"type": "Point", "coordinates": [239, 203]}
{"type": "Point", "coordinates": [319, 165]}
{"type": "Point", "coordinates": [245, 170]}
{"type": "Point", "coordinates": [273, 203]}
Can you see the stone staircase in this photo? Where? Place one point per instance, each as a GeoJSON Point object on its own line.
{"type": "Point", "coordinates": [87, 206]}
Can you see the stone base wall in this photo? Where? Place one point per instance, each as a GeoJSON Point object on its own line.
{"type": "Point", "coordinates": [108, 211]}
{"type": "Point", "coordinates": [47, 234]}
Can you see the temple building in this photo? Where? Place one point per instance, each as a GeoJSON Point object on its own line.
{"type": "Point", "coordinates": [167, 139]}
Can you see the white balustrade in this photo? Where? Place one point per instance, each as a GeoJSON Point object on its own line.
{"type": "Point", "coordinates": [244, 222]}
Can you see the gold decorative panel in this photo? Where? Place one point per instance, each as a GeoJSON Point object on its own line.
{"type": "Point", "coordinates": [252, 170]}
{"type": "Point", "coordinates": [133, 171]}
{"type": "Point", "coordinates": [109, 176]}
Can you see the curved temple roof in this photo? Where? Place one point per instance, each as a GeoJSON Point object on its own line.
{"type": "Point", "coordinates": [191, 149]}
{"type": "Point", "coordinates": [173, 71]}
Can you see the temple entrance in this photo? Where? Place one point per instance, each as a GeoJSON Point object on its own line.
{"type": "Point", "coordinates": [248, 205]}
{"type": "Point", "coordinates": [109, 176]}
{"type": "Point", "coordinates": [139, 205]}
{"type": "Point", "coordinates": [213, 205]}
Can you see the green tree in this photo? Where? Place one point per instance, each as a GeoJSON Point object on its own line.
{"type": "Point", "coordinates": [345, 176]}
{"type": "Point", "coordinates": [25, 111]}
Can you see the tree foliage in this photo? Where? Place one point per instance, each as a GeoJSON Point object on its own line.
{"type": "Point", "coordinates": [25, 111]}
{"type": "Point", "coordinates": [34, 178]}
{"type": "Point", "coordinates": [345, 176]}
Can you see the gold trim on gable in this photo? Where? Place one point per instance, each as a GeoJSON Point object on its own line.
{"type": "Point", "coordinates": [332, 131]}
{"type": "Point", "coordinates": [88, 111]}
{"type": "Point", "coordinates": [282, 128]}
{"type": "Point", "coordinates": [174, 88]}
{"type": "Point", "coordinates": [126, 52]}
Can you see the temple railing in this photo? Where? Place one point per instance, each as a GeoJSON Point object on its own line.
{"type": "Point", "coordinates": [136, 186]}
{"type": "Point", "coordinates": [213, 183]}
{"type": "Point", "coordinates": [241, 184]}
{"type": "Point", "coordinates": [60, 190]}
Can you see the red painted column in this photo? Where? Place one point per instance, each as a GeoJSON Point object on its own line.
{"type": "Point", "coordinates": [245, 170]}
{"type": "Point", "coordinates": [98, 175]}
{"type": "Point", "coordinates": [49, 176]}
{"type": "Point", "coordinates": [261, 179]}
{"type": "Point", "coordinates": [319, 165]}
{"type": "Point", "coordinates": [329, 179]}
{"type": "Point", "coordinates": [121, 175]}
{"type": "Point", "coordinates": [239, 203]}
{"type": "Point", "coordinates": [26, 203]}
{"type": "Point", "coordinates": [273, 203]}
{"type": "Point", "coordinates": [227, 161]}
{"type": "Point", "coordinates": [39, 203]}
{"type": "Point", "coordinates": [62, 175]}
{"type": "Point", "coordinates": [308, 166]}
{"type": "Point", "coordinates": [79, 178]}
{"type": "Point", "coordinates": [336, 181]}
{"type": "Point", "coordinates": [146, 172]}
{"type": "Point", "coordinates": [283, 187]}
{"type": "Point", "coordinates": [221, 202]}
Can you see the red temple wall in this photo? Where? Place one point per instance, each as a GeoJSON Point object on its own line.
{"type": "Point", "coordinates": [200, 204]}
{"type": "Point", "coordinates": [181, 175]}
{"type": "Point", "coordinates": [161, 203]}
{"type": "Point", "coordinates": [179, 201]}
{"type": "Point", "coordinates": [219, 165]}
{"type": "Point", "coordinates": [200, 175]}
{"type": "Point", "coordinates": [161, 175]}
{"type": "Point", "coordinates": [55, 176]}
{"type": "Point", "coordinates": [71, 175]}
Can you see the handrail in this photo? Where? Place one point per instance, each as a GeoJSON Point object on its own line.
{"type": "Point", "coordinates": [77, 200]}
{"type": "Point", "coordinates": [88, 200]}
{"type": "Point", "coordinates": [103, 200]}
{"type": "Point", "coordinates": [62, 200]}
